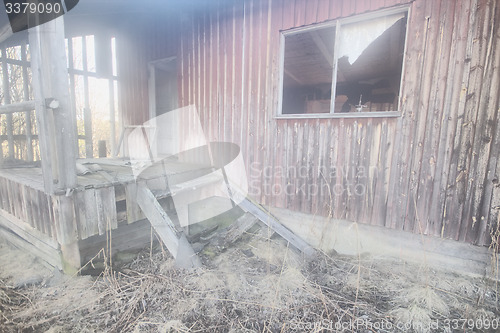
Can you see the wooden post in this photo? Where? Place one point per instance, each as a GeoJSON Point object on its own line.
{"type": "Point", "coordinates": [6, 91]}
{"type": "Point", "coordinates": [26, 95]}
{"type": "Point", "coordinates": [87, 114]}
{"type": "Point", "coordinates": [57, 129]}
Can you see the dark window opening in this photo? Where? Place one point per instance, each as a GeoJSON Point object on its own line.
{"type": "Point", "coordinates": [360, 62]}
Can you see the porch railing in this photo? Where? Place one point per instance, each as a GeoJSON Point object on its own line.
{"type": "Point", "coordinates": [18, 135]}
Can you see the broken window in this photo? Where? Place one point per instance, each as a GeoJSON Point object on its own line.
{"type": "Point", "coordinates": [348, 66]}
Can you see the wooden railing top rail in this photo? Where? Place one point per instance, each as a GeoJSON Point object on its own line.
{"type": "Point", "coordinates": [17, 107]}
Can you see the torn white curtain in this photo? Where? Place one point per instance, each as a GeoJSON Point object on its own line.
{"type": "Point", "coordinates": [356, 37]}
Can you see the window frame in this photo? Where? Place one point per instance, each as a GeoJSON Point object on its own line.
{"type": "Point", "coordinates": [337, 23]}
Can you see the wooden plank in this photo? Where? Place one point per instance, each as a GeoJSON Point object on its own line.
{"type": "Point", "coordinates": [474, 118]}
{"type": "Point", "coordinates": [29, 207]}
{"type": "Point", "coordinates": [17, 107]}
{"type": "Point", "coordinates": [44, 212]}
{"type": "Point", "coordinates": [401, 167]}
{"type": "Point", "coordinates": [311, 15]}
{"type": "Point", "coordinates": [106, 209]}
{"type": "Point", "coordinates": [269, 99]}
{"type": "Point", "coordinates": [57, 130]}
{"type": "Point", "coordinates": [125, 238]}
{"type": "Point", "coordinates": [7, 100]}
{"type": "Point", "coordinates": [20, 227]}
{"type": "Point", "coordinates": [264, 216]}
{"type": "Point", "coordinates": [323, 10]}
{"type": "Point", "coordinates": [66, 230]}
{"type": "Point", "coordinates": [174, 240]}
{"type": "Point", "coordinates": [238, 228]}
{"type": "Point", "coordinates": [81, 219]}
{"type": "Point", "coordinates": [51, 218]}
{"type": "Point", "coordinates": [27, 115]}
{"type": "Point", "coordinates": [300, 12]}
{"type": "Point", "coordinates": [109, 201]}
{"type": "Point", "coordinates": [450, 119]}
{"type": "Point", "coordinates": [99, 208]}
{"type": "Point", "coordinates": [487, 141]}
{"type": "Point", "coordinates": [50, 256]}
{"type": "Point", "coordinates": [26, 204]}
{"type": "Point", "coordinates": [133, 210]}
{"type": "Point", "coordinates": [432, 163]}
{"type": "Point", "coordinates": [91, 215]}
{"type": "Point", "coordinates": [87, 113]}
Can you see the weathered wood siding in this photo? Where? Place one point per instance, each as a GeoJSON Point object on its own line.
{"type": "Point", "coordinates": [432, 170]}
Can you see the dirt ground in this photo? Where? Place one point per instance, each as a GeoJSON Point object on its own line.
{"type": "Point", "coordinates": [258, 284]}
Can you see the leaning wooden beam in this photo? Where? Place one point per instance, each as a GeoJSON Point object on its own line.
{"type": "Point", "coordinates": [175, 241]}
{"type": "Point", "coordinates": [17, 107]}
{"type": "Point", "coordinates": [272, 222]}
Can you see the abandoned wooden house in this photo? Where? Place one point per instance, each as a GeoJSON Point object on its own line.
{"type": "Point", "coordinates": [383, 113]}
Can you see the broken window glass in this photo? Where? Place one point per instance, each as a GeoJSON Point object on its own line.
{"type": "Point", "coordinates": [363, 67]}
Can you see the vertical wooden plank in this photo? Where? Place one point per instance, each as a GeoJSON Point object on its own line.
{"type": "Point", "coordinates": [81, 219]}
{"type": "Point", "coordinates": [269, 98]}
{"type": "Point", "coordinates": [99, 208]}
{"type": "Point", "coordinates": [3, 194]}
{"type": "Point", "coordinates": [133, 210]}
{"type": "Point", "coordinates": [27, 114]}
{"type": "Point", "coordinates": [378, 158]}
{"type": "Point", "coordinates": [336, 8]}
{"type": "Point", "coordinates": [51, 217]}
{"type": "Point", "coordinates": [415, 220]}
{"type": "Point", "coordinates": [91, 214]}
{"type": "Point", "coordinates": [450, 119]}
{"type": "Point", "coordinates": [288, 14]}
{"type": "Point", "coordinates": [7, 100]}
{"type": "Point", "coordinates": [109, 201]}
{"type": "Point", "coordinates": [25, 204]}
{"type": "Point", "coordinates": [72, 85]}
{"type": "Point", "coordinates": [311, 15]}
{"type": "Point", "coordinates": [421, 155]}
{"type": "Point", "coordinates": [323, 10]}
{"type": "Point", "coordinates": [44, 212]}
{"type": "Point", "coordinates": [67, 234]}
{"type": "Point", "coordinates": [472, 120]}
{"type": "Point", "coordinates": [36, 210]}
{"type": "Point", "coordinates": [87, 113]}
{"type": "Point", "coordinates": [29, 207]}
{"type": "Point", "coordinates": [277, 177]}
{"type": "Point", "coordinates": [485, 152]}
{"type": "Point", "coordinates": [348, 8]}
{"type": "Point", "coordinates": [432, 163]}
{"type": "Point", "coordinates": [228, 70]}
{"type": "Point", "coordinates": [414, 65]}
{"type": "Point", "coordinates": [300, 13]}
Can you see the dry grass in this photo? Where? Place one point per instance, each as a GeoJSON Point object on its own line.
{"type": "Point", "coordinates": [258, 285]}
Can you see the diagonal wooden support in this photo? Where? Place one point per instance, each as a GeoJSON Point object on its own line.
{"type": "Point", "coordinates": [272, 222]}
{"type": "Point", "coordinates": [174, 240]}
